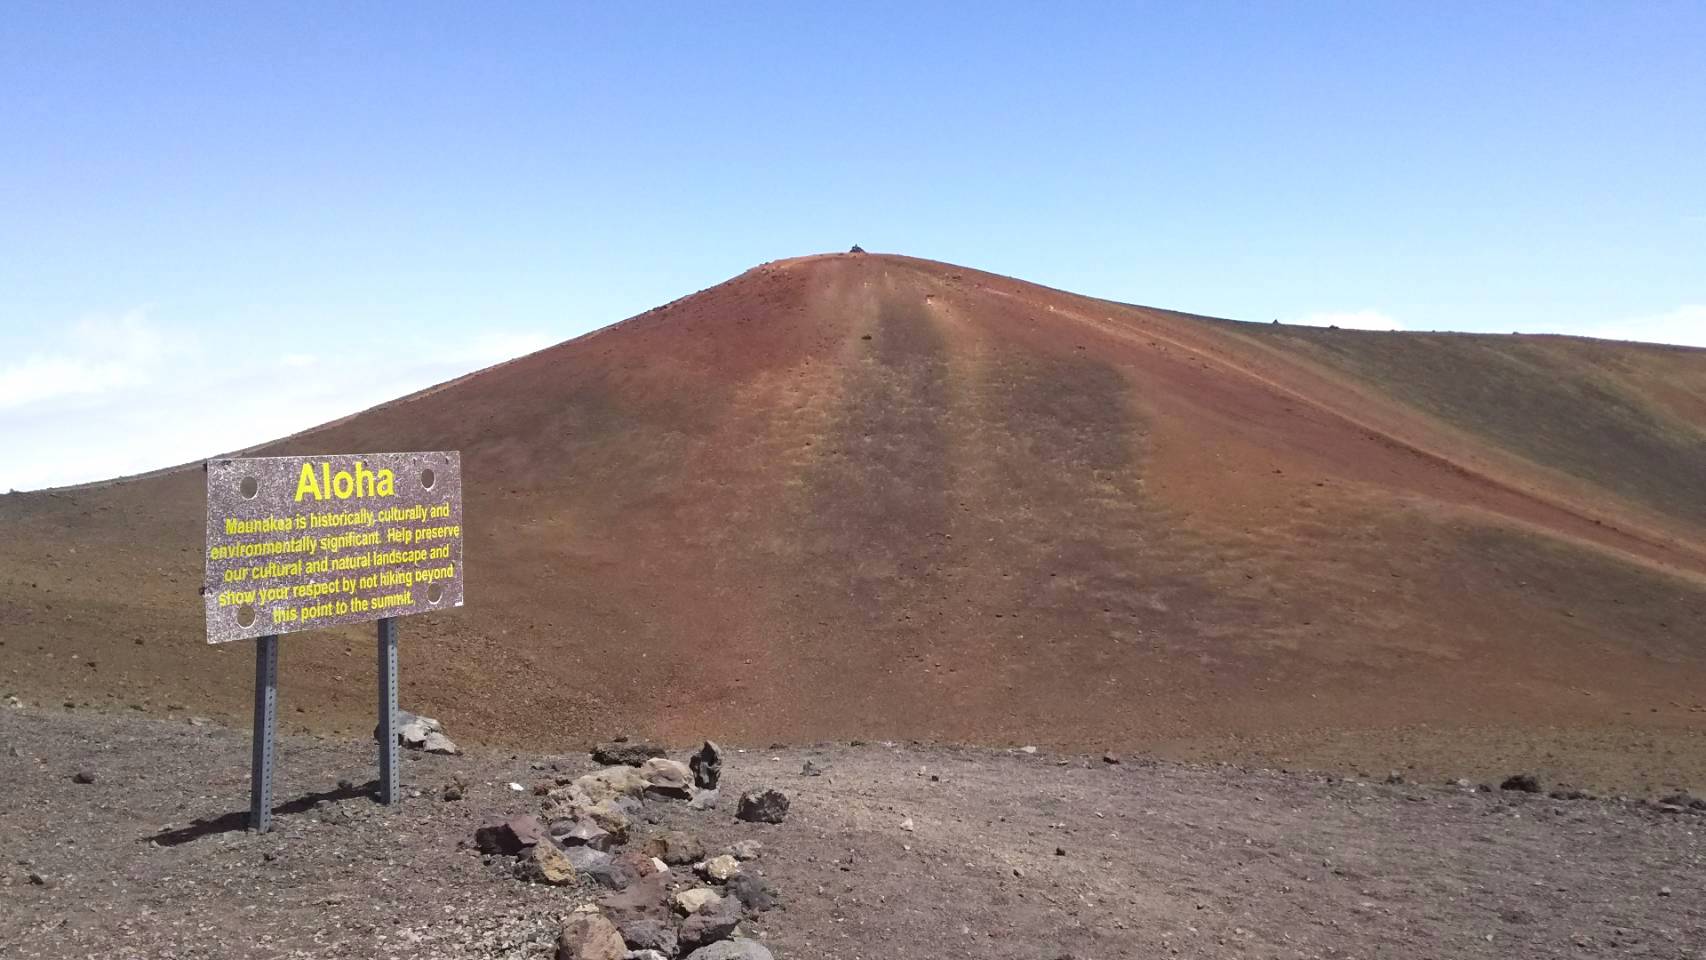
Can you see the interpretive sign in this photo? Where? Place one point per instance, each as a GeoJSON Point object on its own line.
{"type": "Point", "coordinates": [295, 543]}
{"type": "Point", "coordinates": [298, 543]}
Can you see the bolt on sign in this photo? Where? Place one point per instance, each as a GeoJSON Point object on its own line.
{"type": "Point", "coordinates": [299, 543]}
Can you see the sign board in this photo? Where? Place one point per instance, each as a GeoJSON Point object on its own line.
{"type": "Point", "coordinates": [300, 543]}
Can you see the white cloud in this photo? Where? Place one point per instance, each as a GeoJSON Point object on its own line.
{"type": "Point", "coordinates": [1686, 325]}
{"type": "Point", "coordinates": [100, 354]}
{"type": "Point", "coordinates": [1350, 320]}
{"type": "Point", "coordinates": [111, 396]}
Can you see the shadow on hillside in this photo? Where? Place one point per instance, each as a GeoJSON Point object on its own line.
{"type": "Point", "coordinates": [238, 820]}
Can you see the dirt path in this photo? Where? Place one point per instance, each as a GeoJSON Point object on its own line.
{"type": "Point", "coordinates": [1009, 855]}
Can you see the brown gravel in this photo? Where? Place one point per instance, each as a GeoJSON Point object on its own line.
{"type": "Point", "coordinates": [1009, 855]}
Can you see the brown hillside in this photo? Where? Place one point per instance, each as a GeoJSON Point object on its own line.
{"type": "Point", "coordinates": [875, 496]}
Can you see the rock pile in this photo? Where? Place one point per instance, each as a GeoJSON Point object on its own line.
{"type": "Point", "coordinates": [422, 733]}
{"type": "Point", "coordinates": [668, 895]}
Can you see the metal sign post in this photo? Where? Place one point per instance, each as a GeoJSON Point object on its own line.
{"type": "Point", "coordinates": [389, 784]}
{"type": "Point", "coordinates": [266, 722]}
{"type": "Point", "coordinates": [300, 543]}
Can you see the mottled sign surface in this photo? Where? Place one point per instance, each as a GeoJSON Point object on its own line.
{"type": "Point", "coordinates": [299, 543]}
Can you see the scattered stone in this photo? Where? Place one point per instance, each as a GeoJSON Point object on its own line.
{"type": "Point", "coordinates": [752, 890]}
{"type": "Point", "coordinates": [704, 799]}
{"type": "Point", "coordinates": [545, 863]}
{"type": "Point", "coordinates": [583, 833]}
{"type": "Point", "coordinates": [628, 868]}
{"type": "Point", "coordinates": [689, 902]}
{"type": "Point", "coordinates": [590, 936]}
{"type": "Point", "coordinates": [746, 849]}
{"type": "Point", "coordinates": [412, 729]}
{"type": "Point", "coordinates": [674, 848]}
{"type": "Point", "coordinates": [1060, 851]}
{"type": "Point", "coordinates": [908, 825]}
{"type": "Point", "coordinates": [438, 743]}
{"type": "Point", "coordinates": [620, 752]}
{"type": "Point", "coordinates": [1394, 778]}
{"type": "Point", "coordinates": [510, 837]}
{"type": "Point", "coordinates": [456, 789]}
{"type": "Point", "coordinates": [811, 768]}
{"type": "Point", "coordinates": [713, 922]}
{"type": "Point", "coordinates": [721, 868]}
{"type": "Point", "coordinates": [83, 776]}
{"type": "Point", "coordinates": [739, 949]}
{"type": "Point", "coordinates": [1110, 758]}
{"type": "Point", "coordinates": [650, 933]}
{"type": "Point", "coordinates": [37, 880]}
{"type": "Point", "coordinates": [610, 783]}
{"type": "Point", "coordinates": [856, 249]}
{"type": "Point", "coordinates": [646, 898]}
{"type": "Point", "coordinates": [588, 861]}
{"type": "Point", "coordinates": [1522, 783]}
{"type": "Point", "coordinates": [1664, 891]}
{"type": "Point", "coordinates": [667, 778]}
{"type": "Point", "coordinates": [707, 766]}
{"type": "Point", "coordinates": [768, 805]}
{"type": "Point", "coordinates": [1682, 798]}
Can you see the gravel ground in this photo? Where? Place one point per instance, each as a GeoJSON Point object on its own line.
{"type": "Point", "coordinates": [895, 851]}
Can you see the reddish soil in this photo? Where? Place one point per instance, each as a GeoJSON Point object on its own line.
{"type": "Point", "coordinates": [875, 496]}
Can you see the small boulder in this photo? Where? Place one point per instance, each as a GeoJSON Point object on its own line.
{"type": "Point", "coordinates": [83, 776]}
{"type": "Point", "coordinates": [752, 890]}
{"type": "Point", "coordinates": [438, 743]}
{"type": "Point", "coordinates": [737, 949]}
{"type": "Point", "coordinates": [768, 805]}
{"type": "Point", "coordinates": [674, 848]}
{"type": "Point", "coordinates": [856, 249]}
{"type": "Point", "coordinates": [642, 899]}
{"type": "Point", "coordinates": [626, 754]}
{"type": "Point", "coordinates": [628, 868]}
{"type": "Point", "coordinates": [609, 783]}
{"type": "Point", "coordinates": [689, 902]}
{"type": "Point", "coordinates": [588, 935]}
{"type": "Point", "coordinates": [707, 766]}
{"type": "Point", "coordinates": [1522, 783]}
{"type": "Point", "coordinates": [667, 778]}
{"type": "Point", "coordinates": [720, 868]}
{"type": "Point", "coordinates": [583, 833]}
{"type": "Point", "coordinates": [545, 863]}
{"type": "Point", "coordinates": [746, 849]}
{"type": "Point", "coordinates": [704, 799]}
{"type": "Point", "coordinates": [715, 921]}
{"type": "Point", "coordinates": [811, 768]}
{"type": "Point", "coordinates": [510, 837]}
{"type": "Point", "coordinates": [456, 789]}
{"type": "Point", "coordinates": [650, 933]}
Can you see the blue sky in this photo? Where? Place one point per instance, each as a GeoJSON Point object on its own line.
{"type": "Point", "coordinates": [216, 219]}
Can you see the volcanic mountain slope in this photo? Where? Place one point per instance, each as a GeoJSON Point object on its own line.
{"type": "Point", "coordinates": [873, 496]}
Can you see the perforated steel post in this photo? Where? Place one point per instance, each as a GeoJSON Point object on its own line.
{"type": "Point", "coordinates": [389, 787]}
{"type": "Point", "coordinates": [266, 722]}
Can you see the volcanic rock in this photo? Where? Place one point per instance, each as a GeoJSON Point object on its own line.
{"type": "Point", "coordinates": [720, 868]}
{"type": "Point", "coordinates": [752, 890]}
{"type": "Point", "coordinates": [623, 753]}
{"type": "Point", "coordinates": [811, 768]}
{"type": "Point", "coordinates": [543, 862]}
{"type": "Point", "coordinates": [674, 848]}
{"type": "Point", "coordinates": [667, 778]}
{"type": "Point", "coordinates": [739, 949]}
{"type": "Point", "coordinates": [588, 935]}
{"type": "Point", "coordinates": [768, 805]}
{"type": "Point", "coordinates": [510, 836]}
{"type": "Point", "coordinates": [583, 833]}
{"type": "Point", "coordinates": [714, 921]}
{"type": "Point", "coordinates": [644, 898]}
{"type": "Point", "coordinates": [707, 766]}
{"type": "Point", "coordinates": [609, 784]}
{"type": "Point", "coordinates": [696, 899]}
{"type": "Point", "coordinates": [649, 933]}
{"type": "Point", "coordinates": [438, 743]}
{"type": "Point", "coordinates": [746, 849]}
{"type": "Point", "coordinates": [1522, 783]}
